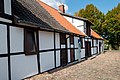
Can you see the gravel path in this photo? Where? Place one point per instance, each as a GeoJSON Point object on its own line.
{"type": "Point", "coordinates": [105, 66]}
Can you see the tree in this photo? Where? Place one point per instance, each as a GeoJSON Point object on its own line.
{"type": "Point", "coordinates": [112, 24]}
{"type": "Point", "coordinates": [108, 26]}
{"type": "Point", "coordinates": [94, 15]}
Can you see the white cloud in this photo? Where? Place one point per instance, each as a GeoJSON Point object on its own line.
{"type": "Point", "coordinates": [56, 3]}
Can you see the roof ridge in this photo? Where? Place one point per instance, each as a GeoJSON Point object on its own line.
{"type": "Point", "coordinates": [47, 11]}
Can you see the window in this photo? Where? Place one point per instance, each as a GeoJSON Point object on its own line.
{"type": "Point", "coordinates": [63, 38]}
{"type": "Point", "coordinates": [31, 46]}
{"type": "Point", "coordinates": [1, 6]}
{"type": "Point", "coordinates": [96, 41]}
{"type": "Point", "coordinates": [92, 42]}
{"type": "Point", "coordinates": [81, 40]}
{"type": "Point", "coordinates": [71, 39]}
{"type": "Point", "coordinates": [85, 27]}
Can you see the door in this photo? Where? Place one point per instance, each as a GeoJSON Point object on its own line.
{"type": "Point", "coordinates": [87, 49]}
{"type": "Point", "coordinates": [72, 56]}
{"type": "Point", "coordinates": [63, 51]}
{"type": "Point", "coordinates": [63, 57]}
{"type": "Point", "coordinates": [99, 47]}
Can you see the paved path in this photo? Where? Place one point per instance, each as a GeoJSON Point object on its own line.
{"type": "Point", "coordinates": [105, 66]}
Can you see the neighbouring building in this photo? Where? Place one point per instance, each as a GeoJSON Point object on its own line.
{"type": "Point", "coordinates": [91, 44]}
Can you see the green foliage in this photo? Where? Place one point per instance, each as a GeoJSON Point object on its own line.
{"type": "Point", "coordinates": [108, 26]}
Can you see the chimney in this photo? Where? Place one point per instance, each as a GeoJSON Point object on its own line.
{"type": "Point", "coordinates": [62, 8]}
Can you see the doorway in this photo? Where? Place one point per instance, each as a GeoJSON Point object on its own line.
{"type": "Point", "coordinates": [87, 49]}
{"type": "Point", "coordinates": [63, 49]}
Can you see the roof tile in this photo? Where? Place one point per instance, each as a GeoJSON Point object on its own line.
{"type": "Point", "coordinates": [55, 14]}
{"type": "Point", "coordinates": [95, 35]}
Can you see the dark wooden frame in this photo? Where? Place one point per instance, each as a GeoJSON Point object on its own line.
{"type": "Point", "coordinates": [27, 34]}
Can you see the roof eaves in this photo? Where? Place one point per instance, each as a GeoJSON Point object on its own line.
{"type": "Point", "coordinates": [76, 17]}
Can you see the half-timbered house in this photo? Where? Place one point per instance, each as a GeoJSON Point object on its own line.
{"type": "Point", "coordinates": [34, 38]}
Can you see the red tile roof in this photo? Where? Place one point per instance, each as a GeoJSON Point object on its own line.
{"type": "Point", "coordinates": [56, 15]}
{"type": "Point", "coordinates": [95, 35]}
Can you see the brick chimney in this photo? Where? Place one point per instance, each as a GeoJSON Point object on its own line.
{"type": "Point", "coordinates": [62, 8]}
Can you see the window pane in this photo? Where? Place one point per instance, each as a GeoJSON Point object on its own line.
{"type": "Point", "coordinates": [62, 38]}
{"type": "Point", "coordinates": [30, 42]}
{"type": "Point", "coordinates": [72, 39]}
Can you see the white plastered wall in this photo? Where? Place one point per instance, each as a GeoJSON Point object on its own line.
{"type": "Point", "coordinates": [82, 53]}
{"type": "Point", "coordinates": [4, 68]}
{"type": "Point", "coordinates": [92, 50]}
{"type": "Point", "coordinates": [76, 46]}
{"type": "Point", "coordinates": [3, 39]}
{"type": "Point", "coordinates": [96, 49]}
{"type": "Point", "coordinates": [16, 39]}
{"type": "Point", "coordinates": [83, 42]}
{"type": "Point", "coordinates": [7, 7]}
{"type": "Point", "coordinates": [57, 43]}
{"type": "Point", "coordinates": [68, 55]}
{"type": "Point", "coordinates": [102, 45]}
{"type": "Point", "coordinates": [68, 43]}
{"type": "Point", "coordinates": [23, 66]}
{"type": "Point", "coordinates": [57, 40]}
{"type": "Point", "coordinates": [46, 40]}
{"type": "Point", "coordinates": [57, 58]}
{"type": "Point", "coordinates": [47, 61]}
{"type": "Point", "coordinates": [76, 23]}
{"type": "Point", "coordinates": [68, 46]}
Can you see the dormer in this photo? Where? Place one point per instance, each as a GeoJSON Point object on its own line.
{"type": "Point", "coordinates": [87, 27]}
{"type": "Point", "coordinates": [5, 9]}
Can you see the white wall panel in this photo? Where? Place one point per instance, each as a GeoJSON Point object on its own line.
{"type": "Point", "coordinates": [76, 23]}
{"type": "Point", "coordinates": [16, 39]}
{"type": "Point", "coordinates": [23, 66]}
{"type": "Point", "coordinates": [79, 23]}
{"type": "Point", "coordinates": [76, 42]}
{"type": "Point", "coordinates": [68, 42]}
{"type": "Point", "coordinates": [7, 6]}
{"type": "Point", "coordinates": [83, 42]}
{"type": "Point", "coordinates": [82, 53]}
{"type": "Point", "coordinates": [57, 58]}
{"type": "Point", "coordinates": [98, 44]}
{"type": "Point", "coordinates": [63, 46]}
{"type": "Point", "coordinates": [3, 39]}
{"type": "Point", "coordinates": [46, 40]}
{"type": "Point", "coordinates": [76, 54]}
{"type": "Point", "coordinates": [4, 68]}
{"type": "Point", "coordinates": [57, 40]}
{"type": "Point", "coordinates": [68, 55]}
{"type": "Point", "coordinates": [92, 51]}
{"type": "Point", "coordinates": [47, 61]}
{"type": "Point", "coordinates": [95, 50]}
{"type": "Point", "coordinates": [68, 18]}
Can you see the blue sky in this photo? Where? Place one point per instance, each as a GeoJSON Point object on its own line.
{"type": "Point", "coordinates": [102, 5]}
{"type": "Point", "coordinates": [73, 6]}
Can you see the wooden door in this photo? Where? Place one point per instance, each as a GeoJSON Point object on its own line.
{"type": "Point", "coordinates": [87, 49]}
{"type": "Point", "coordinates": [63, 51]}
{"type": "Point", "coordinates": [99, 47]}
{"type": "Point", "coordinates": [72, 56]}
{"type": "Point", "coordinates": [63, 57]}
